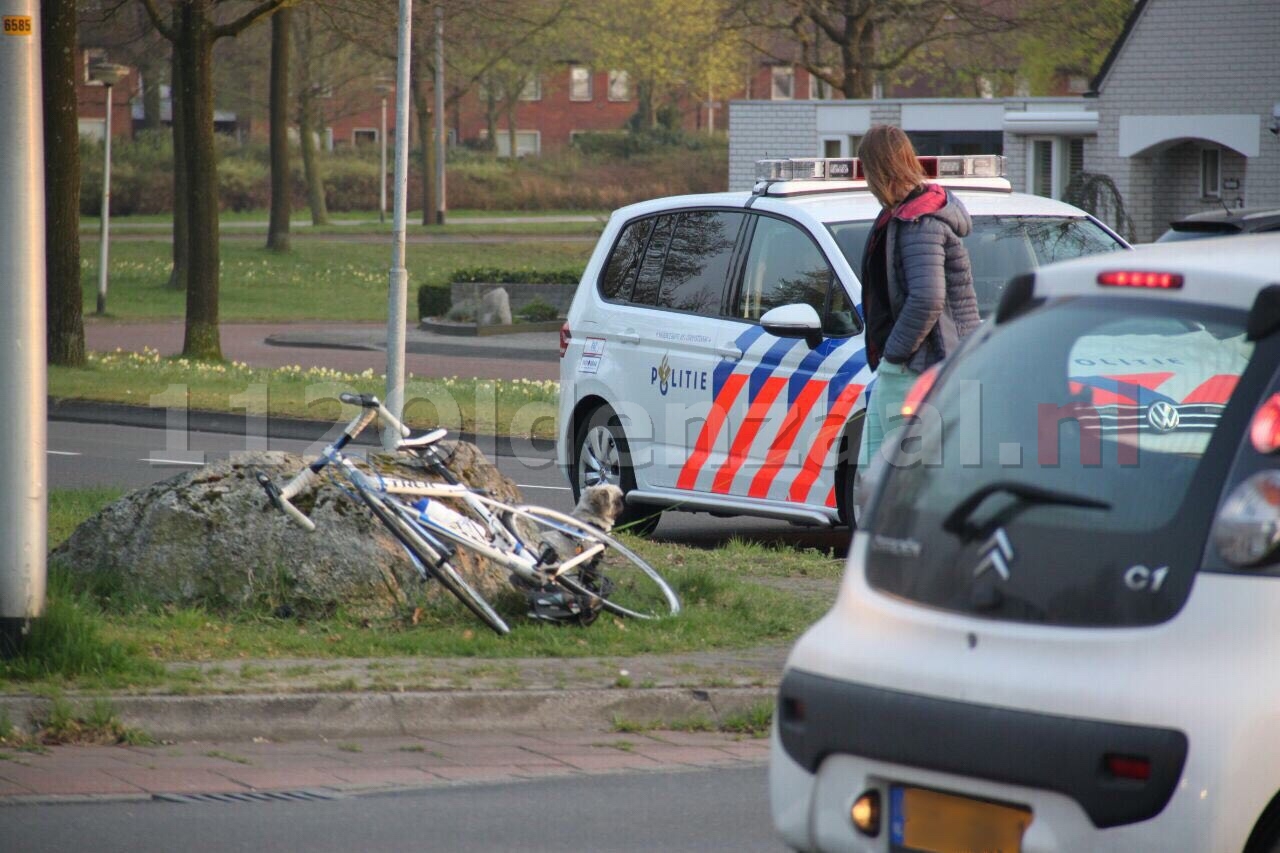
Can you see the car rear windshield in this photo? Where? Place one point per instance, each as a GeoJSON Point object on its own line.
{"type": "Point", "coordinates": [1080, 432]}
{"type": "Point", "coordinates": [1001, 247]}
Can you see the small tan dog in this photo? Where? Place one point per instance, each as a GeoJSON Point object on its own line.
{"type": "Point", "coordinates": [598, 506]}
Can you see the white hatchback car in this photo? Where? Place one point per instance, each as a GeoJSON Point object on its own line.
{"type": "Point", "coordinates": [713, 355]}
{"type": "Point", "coordinates": [1057, 629]}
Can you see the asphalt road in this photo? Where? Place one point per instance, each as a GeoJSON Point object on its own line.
{"type": "Point", "coordinates": [86, 454]}
{"type": "Point", "coordinates": [684, 811]}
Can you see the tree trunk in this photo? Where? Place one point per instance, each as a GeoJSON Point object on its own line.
{"type": "Point", "coordinates": [426, 136]}
{"type": "Point", "coordinates": [491, 120]}
{"type": "Point", "coordinates": [310, 163]}
{"type": "Point", "coordinates": [281, 185]}
{"type": "Point", "coordinates": [194, 44]}
{"type": "Point", "coordinates": [511, 130]}
{"type": "Point", "coordinates": [645, 118]}
{"type": "Point", "coordinates": [178, 276]}
{"type": "Point", "coordinates": [64, 298]}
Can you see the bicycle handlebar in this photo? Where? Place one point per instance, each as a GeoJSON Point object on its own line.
{"type": "Point", "coordinates": [281, 499]}
{"type": "Point", "coordinates": [371, 402]}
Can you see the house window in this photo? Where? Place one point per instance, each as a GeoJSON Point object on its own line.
{"type": "Point", "coordinates": [1040, 168]}
{"type": "Point", "coordinates": [831, 147]}
{"type": "Point", "coordinates": [364, 136]}
{"type": "Point", "coordinates": [1211, 172]}
{"type": "Point", "coordinates": [93, 56]}
{"type": "Point", "coordinates": [619, 86]}
{"type": "Point", "coordinates": [528, 142]}
{"type": "Point", "coordinates": [532, 90]}
{"type": "Point", "coordinates": [579, 83]}
{"type": "Point", "coordinates": [783, 79]}
{"type": "Point", "coordinates": [819, 89]}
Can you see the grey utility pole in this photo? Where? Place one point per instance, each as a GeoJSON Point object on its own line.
{"type": "Point", "coordinates": [108, 75]}
{"type": "Point", "coordinates": [398, 280]}
{"type": "Point", "coordinates": [23, 517]}
{"type": "Point", "coordinates": [440, 138]}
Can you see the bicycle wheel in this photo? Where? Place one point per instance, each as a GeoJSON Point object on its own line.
{"type": "Point", "coordinates": [441, 569]}
{"type": "Point", "coordinates": [626, 584]}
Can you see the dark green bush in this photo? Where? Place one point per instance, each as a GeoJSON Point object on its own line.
{"type": "Point", "coordinates": [538, 311]}
{"type": "Point", "coordinates": [433, 300]}
{"type": "Point", "coordinates": [495, 275]}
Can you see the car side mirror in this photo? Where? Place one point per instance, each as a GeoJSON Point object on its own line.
{"type": "Point", "coordinates": [794, 321]}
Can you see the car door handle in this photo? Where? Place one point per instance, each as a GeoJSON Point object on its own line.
{"type": "Point", "coordinates": [629, 336]}
{"type": "Point", "coordinates": [729, 351]}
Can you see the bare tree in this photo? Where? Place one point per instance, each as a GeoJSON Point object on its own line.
{"type": "Point", "coordinates": [193, 28]}
{"type": "Point", "coordinates": [65, 324]}
{"type": "Point", "coordinates": [849, 44]}
{"type": "Point", "coordinates": [281, 185]}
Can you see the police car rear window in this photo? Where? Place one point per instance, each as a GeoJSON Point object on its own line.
{"type": "Point", "coordinates": [1001, 247]}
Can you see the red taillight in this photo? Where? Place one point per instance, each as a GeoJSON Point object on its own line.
{"type": "Point", "coordinates": [1135, 278]}
{"type": "Point", "coordinates": [920, 390]}
{"type": "Point", "coordinates": [564, 339]}
{"type": "Point", "coordinates": [1128, 767]}
{"type": "Point", "coordinates": [1265, 429]}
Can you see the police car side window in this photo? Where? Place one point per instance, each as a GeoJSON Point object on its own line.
{"type": "Point", "coordinates": [620, 272]}
{"type": "Point", "coordinates": [697, 263]}
{"type": "Point", "coordinates": [649, 276]}
{"type": "Point", "coordinates": [784, 266]}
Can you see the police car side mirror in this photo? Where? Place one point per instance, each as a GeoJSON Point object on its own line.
{"type": "Point", "coordinates": [794, 321]}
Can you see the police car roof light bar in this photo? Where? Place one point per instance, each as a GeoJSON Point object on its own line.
{"type": "Point", "coordinates": [850, 169]}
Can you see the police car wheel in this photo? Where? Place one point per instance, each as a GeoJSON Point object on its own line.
{"type": "Point", "coordinates": [602, 456]}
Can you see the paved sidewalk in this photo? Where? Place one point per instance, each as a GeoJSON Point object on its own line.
{"type": "Point", "coordinates": [349, 347]}
{"type": "Point", "coordinates": [328, 768]}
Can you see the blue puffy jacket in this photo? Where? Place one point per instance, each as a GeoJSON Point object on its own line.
{"type": "Point", "coordinates": [930, 283]}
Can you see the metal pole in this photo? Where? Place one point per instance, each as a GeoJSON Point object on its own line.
{"type": "Point", "coordinates": [398, 280]}
{"type": "Point", "coordinates": [105, 226]}
{"type": "Point", "coordinates": [440, 139]}
{"type": "Point", "coordinates": [22, 325]}
{"type": "Point", "coordinates": [382, 171]}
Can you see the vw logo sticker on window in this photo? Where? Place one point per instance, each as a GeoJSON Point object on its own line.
{"type": "Point", "coordinates": [1163, 416]}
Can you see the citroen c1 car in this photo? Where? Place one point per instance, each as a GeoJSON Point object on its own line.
{"type": "Point", "coordinates": [713, 358]}
{"type": "Point", "coordinates": [1057, 626]}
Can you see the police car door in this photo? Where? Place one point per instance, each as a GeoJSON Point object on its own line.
{"type": "Point", "coordinates": [780, 405]}
{"type": "Point", "coordinates": [684, 278]}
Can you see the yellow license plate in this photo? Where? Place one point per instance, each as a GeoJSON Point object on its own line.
{"type": "Point", "coordinates": [933, 822]}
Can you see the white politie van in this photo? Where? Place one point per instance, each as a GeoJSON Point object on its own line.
{"type": "Point", "coordinates": [713, 356]}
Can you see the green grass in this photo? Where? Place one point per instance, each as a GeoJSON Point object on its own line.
{"type": "Point", "coordinates": [507, 407]}
{"type": "Point", "coordinates": [729, 595]}
{"type": "Point", "coordinates": [317, 280]}
{"type": "Point", "coordinates": [362, 217]}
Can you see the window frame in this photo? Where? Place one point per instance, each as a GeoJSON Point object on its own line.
{"type": "Point", "coordinates": [534, 83]}
{"type": "Point", "coordinates": [356, 131]}
{"type": "Point", "coordinates": [744, 249]}
{"type": "Point", "coordinates": [573, 84]}
{"type": "Point", "coordinates": [732, 274]}
{"type": "Point", "coordinates": [787, 71]}
{"type": "Point", "coordinates": [616, 74]}
{"type": "Point", "coordinates": [1211, 155]}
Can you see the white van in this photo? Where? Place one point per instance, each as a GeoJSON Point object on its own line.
{"type": "Point", "coordinates": [688, 376]}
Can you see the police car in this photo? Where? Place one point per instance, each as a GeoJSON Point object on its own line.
{"type": "Point", "coordinates": [713, 355]}
{"type": "Point", "coordinates": [1056, 631]}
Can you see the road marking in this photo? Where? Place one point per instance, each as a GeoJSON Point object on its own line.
{"type": "Point", "coordinates": [171, 462]}
{"type": "Point", "coordinates": [551, 488]}
{"type": "Point", "coordinates": [62, 453]}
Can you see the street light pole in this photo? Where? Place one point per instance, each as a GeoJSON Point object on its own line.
{"type": "Point", "coordinates": [440, 138]}
{"type": "Point", "coordinates": [108, 75]}
{"type": "Point", "coordinates": [23, 476]}
{"type": "Point", "coordinates": [398, 276]}
{"type": "Point", "coordinates": [382, 169]}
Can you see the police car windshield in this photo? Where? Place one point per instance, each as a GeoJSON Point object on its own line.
{"type": "Point", "coordinates": [1001, 247]}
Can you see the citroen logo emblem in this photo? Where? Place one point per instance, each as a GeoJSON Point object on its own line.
{"type": "Point", "coordinates": [997, 554]}
{"type": "Point", "coordinates": [1163, 416]}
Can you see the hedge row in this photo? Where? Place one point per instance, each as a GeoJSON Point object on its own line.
{"type": "Point", "coordinates": [621, 170]}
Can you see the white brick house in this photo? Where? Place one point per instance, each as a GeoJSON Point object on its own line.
{"type": "Point", "coordinates": [1187, 103]}
{"type": "Point", "coordinates": [1182, 117]}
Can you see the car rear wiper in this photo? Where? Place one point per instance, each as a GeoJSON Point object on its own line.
{"type": "Point", "coordinates": [956, 520]}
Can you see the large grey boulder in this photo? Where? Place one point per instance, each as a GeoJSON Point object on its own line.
{"type": "Point", "coordinates": [495, 308]}
{"type": "Point", "coordinates": [209, 538]}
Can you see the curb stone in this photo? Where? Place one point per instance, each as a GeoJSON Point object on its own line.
{"type": "Point", "coordinates": [383, 714]}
